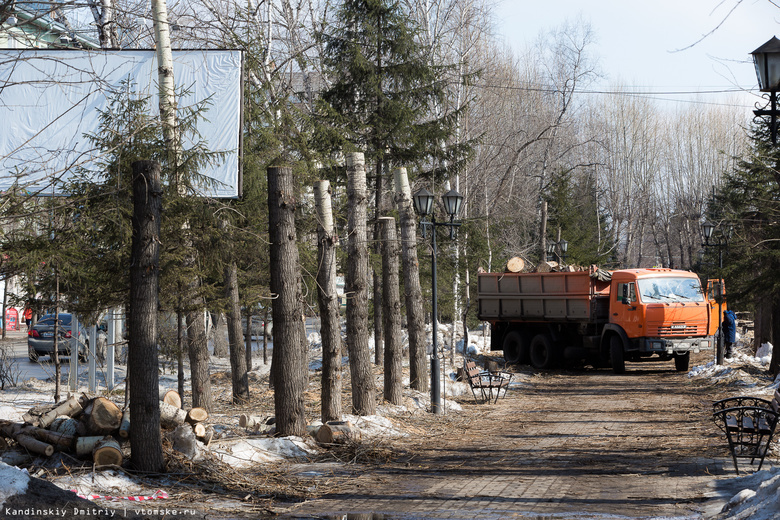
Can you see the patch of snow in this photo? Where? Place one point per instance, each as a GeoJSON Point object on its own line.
{"type": "Point", "coordinates": [13, 481]}
{"type": "Point", "coordinates": [107, 482]}
{"type": "Point", "coordinates": [243, 453]}
{"type": "Point", "coordinates": [760, 498]}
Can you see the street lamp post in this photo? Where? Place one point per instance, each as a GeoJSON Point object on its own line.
{"type": "Point", "coordinates": [562, 246]}
{"type": "Point", "coordinates": [719, 240]}
{"type": "Point", "coordinates": [767, 61]}
{"type": "Point", "coordinates": [423, 205]}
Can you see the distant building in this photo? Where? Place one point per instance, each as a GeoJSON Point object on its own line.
{"type": "Point", "coordinates": [42, 25]}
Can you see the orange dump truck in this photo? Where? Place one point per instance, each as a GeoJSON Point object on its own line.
{"type": "Point", "coordinates": [596, 317]}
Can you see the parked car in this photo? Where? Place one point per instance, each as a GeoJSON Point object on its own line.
{"type": "Point", "coordinates": [40, 338]}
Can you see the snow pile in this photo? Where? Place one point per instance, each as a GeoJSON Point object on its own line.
{"type": "Point", "coordinates": [759, 500]}
{"type": "Point", "coordinates": [13, 481]}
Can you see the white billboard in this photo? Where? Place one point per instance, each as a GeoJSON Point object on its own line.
{"type": "Point", "coordinates": [50, 98]}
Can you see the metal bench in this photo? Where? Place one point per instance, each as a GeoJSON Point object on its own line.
{"type": "Point", "coordinates": [488, 383]}
{"type": "Point", "coordinates": [749, 424]}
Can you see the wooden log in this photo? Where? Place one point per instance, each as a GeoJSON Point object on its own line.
{"type": "Point", "coordinates": [104, 417]}
{"type": "Point", "coordinates": [85, 445]}
{"type": "Point", "coordinates": [170, 416]}
{"type": "Point", "coordinates": [207, 435]}
{"type": "Point", "coordinates": [515, 264]}
{"type": "Point", "coordinates": [199, 429]}
{"type": "Point", "coordinates": [71, 407]}
{"type": "Point", "coordinates": [546, 267]}
{"type": "Point", "coordinates": [257, 424]}
{"type": "Point", "coordinates": [197, 415]}
{"type": "Point", "coordinates": [34, 445]}
{"type": "Point", "coordinates": [337, 432]}
{"type": "Point", "coordinates": [171, 397]}
{"type": "Point", "coordinates": [107, 452]}
{"type": "Point", "coordinates": [65, 425]}
{"type": "Point", "coordinates": [60, 441]}
{"type": "Point", "coordinates": [124, 426]}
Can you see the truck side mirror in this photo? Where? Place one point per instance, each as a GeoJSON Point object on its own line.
{"type": "Point", "coordinates": [624, 297]}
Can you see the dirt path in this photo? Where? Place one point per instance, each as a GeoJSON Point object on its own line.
{"type": "Point", "coordinates": [590, 443]}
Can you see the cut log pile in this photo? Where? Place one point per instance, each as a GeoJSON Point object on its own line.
{"type": "Point", "coordinates": [518, 265]}
{"type": "Point", "coordinates": [94, 427]}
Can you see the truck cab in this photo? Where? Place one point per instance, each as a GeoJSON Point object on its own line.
{"type": "Point", "coordinates": [660, 313]}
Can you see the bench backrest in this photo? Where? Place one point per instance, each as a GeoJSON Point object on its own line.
{"type": "Point", "coordinates": [471, 369]}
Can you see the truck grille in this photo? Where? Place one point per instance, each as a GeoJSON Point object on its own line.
{"type": "Point", "coordinates": [678, 330]}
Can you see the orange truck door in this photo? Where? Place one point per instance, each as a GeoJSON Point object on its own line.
{"type": "Point", "coordinates": [715, 288]}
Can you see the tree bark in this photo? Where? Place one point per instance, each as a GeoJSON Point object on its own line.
{"type": "Point", "coordinates": [238, 367]}
{"type": "Point", "coordinates": [145, 440]}
{"type": "Point", "coordinates": [391, 312]}
{"type": "Point", "coordinates": [248, 341]}
{"type": "Point", "coordinates": [218, 335]}
{"type": "Point", "coordinates": [330, 328]}
{"type": "Point", "coordinates": [356, 287]}
{"type": "Point", "coordinates": [288, 364]}
{"type": "Point", "coordinates": [198, 348]}
{"type": "Point", "coordinates": [415, 316]}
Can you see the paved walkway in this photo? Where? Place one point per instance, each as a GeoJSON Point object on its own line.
{"type": "Point", "coordinates": [580, 445]}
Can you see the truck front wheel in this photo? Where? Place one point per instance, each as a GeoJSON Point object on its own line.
{"type": "Point", "coordinates": [515, 348]}
{"type": "Point", "coordinates": [542, 351]}
{"type": "Point", "coordinates": [681, 362]}
{"type": "Point", "coordinates": [616, 354]}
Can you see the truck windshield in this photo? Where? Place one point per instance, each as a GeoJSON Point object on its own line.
{"type": "Point", "coordinates": [670, 290]}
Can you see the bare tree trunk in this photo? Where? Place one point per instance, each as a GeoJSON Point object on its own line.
{"type": "Point", "coordinates": [391, 311]}
{"type": "Point", "coordinates": [198, 348]}
{"type": "Point", "coordinates": [415, 316]}
{"type": "Point", "coordinates": [56, 352]}
{"type": "Point", "coordinates": [219, 335]}
{"type": "Point", "coordinates": [774, 364]}
{"type": "Point", "coordinates": [145, 439]}
{"type": "Point", "coordinates": [356, 286]}
{"type": "Point", "coordinates": [543, 233]}
{"type": "Point", "coordinates": [5, 309]}
{"type": "Point", "coordinates": [104, 14]}
{"type": "Point", "coordinates": [379, 349]}
{"type": "Point", "coordinates": [248, 340]}
{"type": "Point", "coordinates": [180, 353]}
{"type": "Point", "coordinates": [330, 329]}
{"type": "Point", "coordinates": [266, 315]}
{"type": "Point", "coordinates": [288, 365]}
{"type": "Point", "coordinates": [238, 369]}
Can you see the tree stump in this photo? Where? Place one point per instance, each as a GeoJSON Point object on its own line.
{"type": "Point", "coordinates": [337, 432]}
{"type": "Point", "coordinates": [107, 453]}
{"type": "Point", "coordinates": [104, 417]}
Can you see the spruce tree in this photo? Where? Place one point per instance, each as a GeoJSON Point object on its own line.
{"type": "Point", "coordinates": [749, 200]}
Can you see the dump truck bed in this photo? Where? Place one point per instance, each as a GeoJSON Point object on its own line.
{"type": "Point", "coordinates": [564, 297]}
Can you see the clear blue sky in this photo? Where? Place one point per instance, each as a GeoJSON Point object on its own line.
{"type": "Point", "coordinates": [636, 40]}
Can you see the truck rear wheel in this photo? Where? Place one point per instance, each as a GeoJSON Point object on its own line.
{"type": "Point", "coordinates": [616, 354]}
{"type": "Point", "coordinates": [542, 351]}
{"type": "Point", "coordinates": [681, 362]}
{"type": "Point", "coordinates": [515, 348]}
